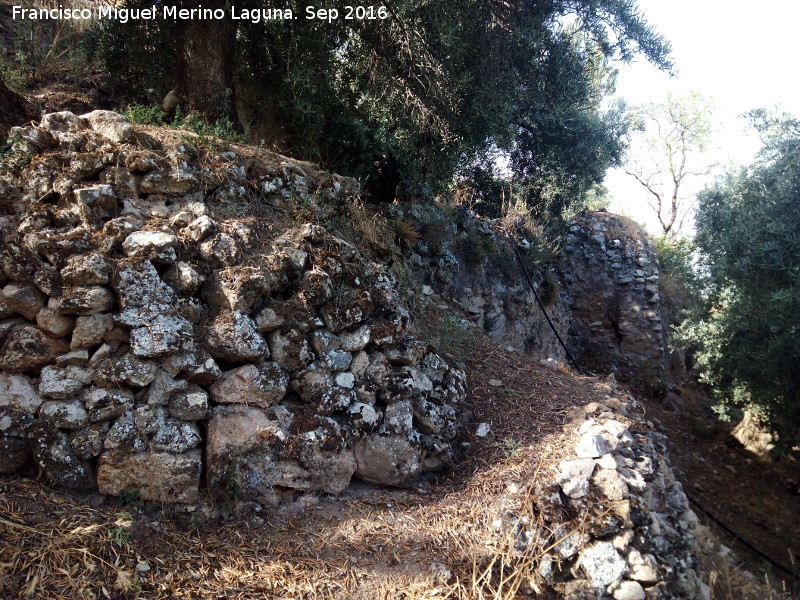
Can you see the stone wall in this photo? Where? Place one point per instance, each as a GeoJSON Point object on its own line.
{"type": "Point", "coordinates": [612, 274]}
{"type": "Point", "coordinates": [160, 326]}
{"type": "Point", "coordinates": [614, 520]}
{"type": "Point", "coordinates": [467, 258]}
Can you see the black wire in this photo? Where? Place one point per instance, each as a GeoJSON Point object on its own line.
{"type": "Point", "coordinates": [541, 306]}
{"type": "Point", "coordinates": [741, 540]}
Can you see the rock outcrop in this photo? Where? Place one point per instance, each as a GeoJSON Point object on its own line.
{"type": "Point", "coordinates": [157, 323]}
{"type": "Point", "coordinates": [612, 275]}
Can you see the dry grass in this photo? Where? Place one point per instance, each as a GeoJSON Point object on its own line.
{"type": "Point", "coordinates": [461, 538]}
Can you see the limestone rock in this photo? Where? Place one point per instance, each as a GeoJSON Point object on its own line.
{"type": "Point", "coordinates": [176, 437]}
{"type": "Point", "coordinates": [28, 349]}
{"type": "Point", "coordinates": [18, 392]}
{"type": "Point", "coordinates": [54, 455]}
{"type": "Point", "coordinates": [14, 451]}
{"type": "Point", "coordinates": [157, 476]}
{"type": "Point", "coordinates": [239, 288]}
{"type": "Point", "coordinates": [574, 476]}
{"type": "Point", "coordinates": [142, 293]}
{"type": "Point", "coordinates": [407, 352]}
{"type": "Point", "coordinates": [258, 385]}
{"type": "Point", "coordinates": [62, 125]}
{"type": "Point", "coordinates": [233, 336]}
{"type": "Point", "coordinates": [603, 564]}
{"type": "Point", "coordinates": [156, 246]}
{"type": "Point", "coordinates": [85, 300]}
{"type": "Point", "coordinates": [23, 298]}
{"type": "Point", "coordinates": [610, 484]}
{"type": "Point", "coordinates": [96, 205]}
{"type": "Point", "coordinates": [88, 442]}
{"type": "Point", "coordinates": [63, 383]}
{"type": "Point", "coordinates": [52, 321]}
{"type": "Point", "coordinates": [290, 350]}
{"type": "Point", "coordinates": [386, 460]}
{"type": "Point", "coordinates": [184, 278]}
{"type": "Point", "coordinates": [110, 125]}
{"type": "Point", "coordinates": [357, 340]}
{"type": "Point", "coordinates": [90, 330]}
{"type": "Point", "coordinates": [592, 445]}
{"type": "Point", "coordinates": [191, 405]}
{"type": "Point", "coordinates": [164, 334]}
{"type": "Point", "coordinates": [163, 387]}
{"type": "Point", "coordinates": [106, 404]}
{"type": "Point", "coordinates": [65, 414]}
{"type": "Point", "coordinates": [398, 418]}
{"type": "Point", "coordinates": [629, 590]}
{"type": "Point", "coordinates": [87, 269]}
{"type": "Point", "coordinates": [315, 287]}
{"type": "Point", "coordinates": [200, 228]}
{"type": "Point", "coordinates": [346, 311]}
{"type": "Point", "coordinates": [220, 250]}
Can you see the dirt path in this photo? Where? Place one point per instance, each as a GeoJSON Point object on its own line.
{"type": "Point", "coordinates": [748, 494]}
{"type": "Point", "coordinates": [428, 542]}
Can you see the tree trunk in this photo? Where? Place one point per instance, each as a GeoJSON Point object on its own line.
{"type": "Point", "coordinates": [15, 110]}
{"type": "Point", "coordinates": [205, 65]}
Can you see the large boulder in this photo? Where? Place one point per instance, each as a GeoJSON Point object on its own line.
{"type": "Point", "coordinates": [156, 476]}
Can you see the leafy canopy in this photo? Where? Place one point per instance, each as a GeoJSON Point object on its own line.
{"type": "Point", "coordinates": [748, 228]}
{"type": "Point", "coordinates": [438, 86]}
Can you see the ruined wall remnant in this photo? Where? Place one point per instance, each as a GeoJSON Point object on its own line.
{"type": "Point", "coordinates": [159, 326]}
{"type": "Point", "coordinates": [614, 520]}
{"type": "Point", "coordinates": [613, 283]}
{"type": "Point", "coordinates": [464, 257]}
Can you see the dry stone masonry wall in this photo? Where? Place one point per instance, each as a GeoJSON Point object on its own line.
{"type": "Point", "coordinates": [617, 523]}
{"type": "Point", "coordinates": [462, 256]}
{"type": "Point", "coordinates": [153, 335]}
{"type": "Point", "coordinates": [612, 275]}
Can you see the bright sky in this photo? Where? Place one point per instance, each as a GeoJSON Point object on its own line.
{"type": "Point", "coordinates": [743, 55]}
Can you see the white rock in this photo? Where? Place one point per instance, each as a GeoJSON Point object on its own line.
{"type": "Point", "coordinates": [355, 341]}
{"type": "Point", "coordinates": [23, 298]}
{"type": "Point", "coordinates": [592, 445]}
{"type": "Point", "coordinates": [62, 383]}
{"type": "Point", "coordinates": [483, 430]}
{"type": "Point", "coordinates": [50, 319]}
{"type": "Point", "coordinates": [65, 415]}
{"type": "Point", "coordinates": [345, 380]}
{"type": "Point", "coordinates": [574, 476]}
{"type": "Point", "coordinates": [629, 590]}
{"type": "Point", "coordinates": [200, 228]}
{"type": "Point", "coordinates": [110, 125]}
{"type": "Point", "coordinates": [603, 564]}
{"type": "Point", "coordinates": [155, 245]}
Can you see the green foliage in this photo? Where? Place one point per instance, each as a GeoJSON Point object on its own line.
{"type": "Point", "coordinates": [16, 156]}
{"type": "Point", "coordinates": [439, 87]}
{"type": "Point", "coordinates": [222, 129]}
{"type": "Point", "coordinates": [36, 50]}
{"type": "Point", "coordinates": [680, 285]}
{"type": "Point", "coordinates": [748, 229]}
{"type": "Point", "coordinates": [509, 446]}
{"type": "Point", "coordinates": [137, 59]}
{"type": "Point", "coordinates": [121, 534]}
{"type": "Point", "coordinates": [128, 496]}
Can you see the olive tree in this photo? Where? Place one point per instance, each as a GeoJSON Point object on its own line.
{"type": "Point", "coordinates": [748, 230]}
